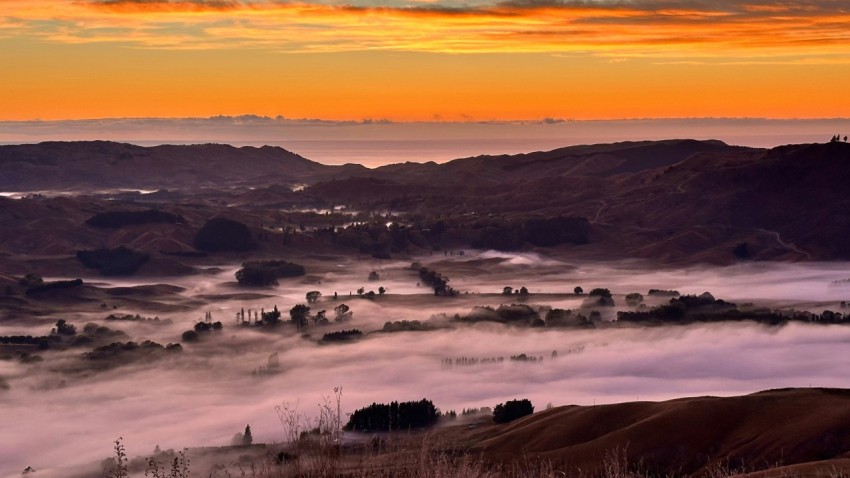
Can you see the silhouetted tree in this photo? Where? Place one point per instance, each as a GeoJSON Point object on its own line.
{"type": "Point", "coordinates": [64, 328]}
{"type": "Point", "coordinates": [247, 438]}
{"type": "Point", "coordinates": [298, 314]}
{"type": "Point", "coordinates": [578, 291]}
{"type": "Point", "coordinates": [634, 299]}
{"type": "Point", "coordinates": [272, 317]}
{"type": "Point", "coordinates": [600, 292]}
{"type": "Point", "coordinates": [507, 290]}
{"type": "Point", "coordinates": [313, 296]}
{"type": "Point", "coordinates": [342, 312]}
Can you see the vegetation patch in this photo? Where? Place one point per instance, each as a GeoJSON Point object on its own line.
{"type": "Point", "coordinates": [266, 273]}
{"type": "Point", "coordinates": [113, 262]}
{"type": "Point", "coordinates": [221, 234]}
{"type": "Point", "coordinates": [118, 219]}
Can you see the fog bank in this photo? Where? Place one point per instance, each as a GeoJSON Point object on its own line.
{"type": "Point", "coordinates": [63, 411]}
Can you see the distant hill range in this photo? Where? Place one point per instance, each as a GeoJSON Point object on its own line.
{"type": "Point", "coordinates": [667, 200]}
{"type": "Point", "coordinates": [98, 165]}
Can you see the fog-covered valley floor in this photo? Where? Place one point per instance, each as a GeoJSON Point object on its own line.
{"type": "Point", "coordinates": [65, 410]}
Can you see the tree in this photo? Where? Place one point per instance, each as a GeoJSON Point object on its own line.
{"type": "Point", "coordinates": [511, 410]}
{"type": "Point", "coordinates": [64, 328]}
{"type": "Point", "coordinates": [247, 438]}
{"type": "Point", "coordinates": [507, 290]}
{"type": "Point", "coordinates": [601, 292]}
{"type": "Point", "coordinates": [298, 314]}
{"type": "Point", "coordinates": [523, 291]}
{"type": "Point", "coordinates": [634, 299]}
{"type": "Point", "coordinates": [271, 318]}
{"type": "Point", "coordinates": [31, 280]}
{"type": "Point", "coordinates": [320, 318]}
{"type": "Point", "coordinates": [381, 290]}
{"type": "Point", "coordinates": [313, 296]}
{"type": "Point", "coordinates": [578, 291]}
{"type": "Point", "coordinates": [343, 313]}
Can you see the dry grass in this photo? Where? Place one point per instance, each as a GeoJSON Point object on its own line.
{"type": "Point", "coordinates": [531, 447]}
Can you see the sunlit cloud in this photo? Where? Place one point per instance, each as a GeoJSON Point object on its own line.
{"type": "Point", "coordinates": [623, 29]}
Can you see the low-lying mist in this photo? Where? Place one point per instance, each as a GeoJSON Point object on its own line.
{"type": "Point", "coordinates": [64, 411]}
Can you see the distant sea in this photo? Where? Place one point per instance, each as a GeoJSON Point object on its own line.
{"type": "Point", "coordinates": [375, 143]}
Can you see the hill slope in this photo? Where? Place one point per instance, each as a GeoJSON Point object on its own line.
{"type": "Point", "coordinates": [762, 430]}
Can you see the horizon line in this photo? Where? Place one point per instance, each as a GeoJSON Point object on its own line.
{"type": "Point", "coordinates": [387, 121]}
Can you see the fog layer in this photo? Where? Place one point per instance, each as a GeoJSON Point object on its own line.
{"type": "Point", "coordinates": [62, 411]}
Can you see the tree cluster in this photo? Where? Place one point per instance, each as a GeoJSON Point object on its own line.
{"type": "Point", "coordinates": [511, 410]}
{"type": "Point", "coordinates": [514, 314]}
{"type": "Point", "coordinates": [113, 262]}
{"type": "Point", "coordinates": [117, 219]}
{"type": "Point", "coordinates": [221, 234]}
{"type": "Point", "coordinates": [541, 232]}
{"type": "Point", "coordinates": [407, 325]}
{"type": "Point", "coordinates": [342, 336]}
{"type": "Point", "coordinates": [393, 416]}
{"type": "Point", "coordinates": [266, 273]}
{"type": "Point", "coordinates": [131, 351]}
{"type": "Point", "coordinates": [436, 280]}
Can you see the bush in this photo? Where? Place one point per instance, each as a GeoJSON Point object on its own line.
{"type": "Point", "coordinates": [511, 410]}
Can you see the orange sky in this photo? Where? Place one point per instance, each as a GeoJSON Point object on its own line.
{"type": "Point", "coordinates": [421, 60]}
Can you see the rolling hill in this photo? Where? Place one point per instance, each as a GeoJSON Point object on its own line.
{"type": "Point", "coordinates": [689, 436]}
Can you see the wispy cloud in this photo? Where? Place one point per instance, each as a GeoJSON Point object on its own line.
{"type": "Point", "coordinates": [802, 29]}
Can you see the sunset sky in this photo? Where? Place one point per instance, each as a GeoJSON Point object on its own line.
{"type": "Point", "coordinates": [415, 60]}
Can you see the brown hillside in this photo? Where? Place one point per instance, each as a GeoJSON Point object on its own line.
{"type": "Point", "coordinates": [766, 429]}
